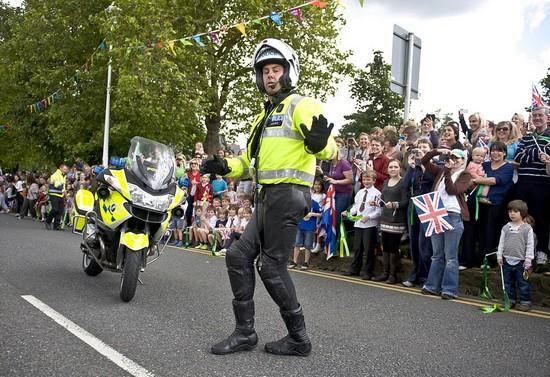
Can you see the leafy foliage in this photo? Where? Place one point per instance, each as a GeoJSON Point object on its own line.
{"type": "Point", "coordinates": [376, 104]}
{"type": "Point", "coordinates": [178, 99]}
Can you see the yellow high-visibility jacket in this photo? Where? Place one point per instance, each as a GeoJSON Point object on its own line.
{"type": "Point", "coordinates": [57, 184]}
{"type": "Point", "coordinates": [283, 157]}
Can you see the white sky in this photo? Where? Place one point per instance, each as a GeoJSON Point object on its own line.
{"type": "Point", "coordinates": [480, 55]}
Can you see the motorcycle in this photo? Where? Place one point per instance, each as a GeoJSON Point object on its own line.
{"type": "Point", "coordinates": [124, 221]}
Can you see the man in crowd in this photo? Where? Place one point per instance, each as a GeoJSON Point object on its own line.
{"type": "Point", "coordinates": [533, 186]}
{"type": "Point", "coordinates": [56, 192]}
{"type": "Point", "coordinates": [286, 138]}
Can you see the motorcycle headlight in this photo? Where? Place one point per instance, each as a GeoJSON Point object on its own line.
{"type": "Point", "coordinates": [146, 200]}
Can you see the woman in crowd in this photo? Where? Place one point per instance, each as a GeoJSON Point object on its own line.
{"type": "Point", "coordinates": [427, 129]}
{"type": "Point", "coordinates": [449, 137]}
{"type": "Point", "coordinates": [340, 175]}
{"type": "Point", "coordinates": [451, 182]}
{"type": "Point", "coordinates": [519, 121]}
{"type": "Point", "coordinates": [393, 222]}
{"type": "Point", "coordinates": [180, 166]}
{"type": "Point", "coordinates": [194, 176]}
{"type": "Point", "coordinates": [418, 181]}
{"type": "Point", "coordinates": [506, 132]}
{"type": "Point", "coordinates": [390, 147]}
{"type": "Point", "coordinates": [477, 123]}
{"type": "Point", "coordinates": [492, 214]}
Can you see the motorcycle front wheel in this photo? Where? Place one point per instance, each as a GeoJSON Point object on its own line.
{"type": "Point", "coordinates": [129, 278]}
{"type": "Point", "coordinates": [90, 266]}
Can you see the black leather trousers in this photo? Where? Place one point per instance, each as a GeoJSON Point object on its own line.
{"type": "Point", "coordinates": [270, 234]}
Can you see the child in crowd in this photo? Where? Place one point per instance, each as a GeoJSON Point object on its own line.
{"type": "Point", "coordinates": [69, 205]}
{"type": "Point", "coordinates": [231, 193]}
{"type": "Point", "coordinates": [225, 202]}
{"type": "Point", "coordinates": [515, 254]}
{"type": "Point", "coordinates": [220, 232]}
{"type": "Point", "coordinates": [195, 225]}
{"type": "Point", "coordinates": [246, 201]}
{"type": "Point", "coordinates": [216, 203]}
{"type": "Point", "coordinates": [305, 234]}
{"type": "Point", "coordinates": [233, 224]}
{"type": "Point", "coordinates": [219, 186]}
{"type": "Point", "coordinates": [245, 214]}
{"type": "Point", "coordinates": [364, 241]}
{"type": "Point", "coordinates": [3, 204]}
{"type": "Point", "coordinates": [176, 225]}
{"type": "Point", "coordinates": [476, 170]}
{"type": "Point", "coordinates": [203, 196]}
{"type": "Point", "coordinates": [41, 203]}
{"type": "Point", "coordinates": [208, 223]}
{"type": "Point", "coordinates": [319, 196]}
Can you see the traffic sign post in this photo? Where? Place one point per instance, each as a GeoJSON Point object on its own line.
{"type": "Point", "coordinates": [405, 65]}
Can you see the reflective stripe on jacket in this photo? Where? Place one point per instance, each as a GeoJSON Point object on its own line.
{"type": "Point", "coordinates": [283, 157]}
{"type": "Point", "coordinates": [56, 186]}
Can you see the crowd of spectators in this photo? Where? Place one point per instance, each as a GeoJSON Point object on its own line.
{"type": "Point", "coordinates": [25, 193]}
{"type": "Point", "coordinates": [478, 167]}
{"type": "Point", "coordinates": [481, 170]}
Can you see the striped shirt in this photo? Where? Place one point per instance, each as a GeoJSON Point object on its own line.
{"type": "Point", "coordinates": [516, 242]}
{"type": "Point", "coordinates": [531, 168]}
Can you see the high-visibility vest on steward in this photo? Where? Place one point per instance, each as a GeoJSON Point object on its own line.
{"type": "Point", "coordinates": [283, 157]}
{"type": "Point", "coordinates": [57, 184]}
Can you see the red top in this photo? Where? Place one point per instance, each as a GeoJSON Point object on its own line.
{"type": "Point", "coordinates": [204, 193]}
{"type": "Point", "coordinates": [380, 166]}
{"type": "Point", "coordinates": [194, 181]}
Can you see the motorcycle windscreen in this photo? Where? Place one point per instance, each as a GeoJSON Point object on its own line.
{"type": "Point", "coordinates": [152, 162]}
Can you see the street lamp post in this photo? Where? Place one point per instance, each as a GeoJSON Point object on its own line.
{"type": "Point", "coordinates": [113, 11]}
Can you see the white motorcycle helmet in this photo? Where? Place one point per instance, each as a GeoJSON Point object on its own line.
{"type": "Point", "coordinates": [276, 51]}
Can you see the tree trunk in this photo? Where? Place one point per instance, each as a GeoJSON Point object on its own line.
{"type": "Point", "coordinates": [212, 142]}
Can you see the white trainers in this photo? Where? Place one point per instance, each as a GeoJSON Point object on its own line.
{"type": "Point", "coordinates": [316, 249]}
{"type": "Point", "coordinates": [462, 268]}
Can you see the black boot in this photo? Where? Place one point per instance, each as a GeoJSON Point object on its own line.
{"type": "Point", "coordinates": [244, 337]}
{"type": "Point", "coordinates": [395, 260]}
{"type": "Point", "coordinates": [386, 274]}
{"type": "Point", "coordinates": [297, 342]}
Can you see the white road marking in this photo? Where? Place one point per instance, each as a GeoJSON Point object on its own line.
{"type": "Point", "coordinates": [116, 357]}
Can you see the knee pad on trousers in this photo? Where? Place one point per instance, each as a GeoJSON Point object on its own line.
{"type": "Point", "coordinates": [278, 283]}
{"type": "Point", "coordinates": [241, 275]}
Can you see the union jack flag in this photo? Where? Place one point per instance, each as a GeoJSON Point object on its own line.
{"type": "Point", "coordinates": [432, 213]}
{"type": "Point", "coordinates": [536, 98]}
{"type": "Point", "coordinates": [328, 223]}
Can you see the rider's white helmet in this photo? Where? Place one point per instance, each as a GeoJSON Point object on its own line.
{"type": "Point", "coordinates": [276, 51]}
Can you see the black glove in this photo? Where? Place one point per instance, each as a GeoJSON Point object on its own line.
{"type": "Point", "coordinates": [316, 137]}
{"type": "Point", "coordinates": [215, 165]}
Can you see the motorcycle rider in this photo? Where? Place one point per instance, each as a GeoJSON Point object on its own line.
{"type": "Point", "coordinates": [56, 192]}
{"type": "Point", "coordinates": [285, 140]}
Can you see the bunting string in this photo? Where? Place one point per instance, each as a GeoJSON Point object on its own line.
{"type": "Point", "coordinates": [45, 103]}
{"type": "Point", "coordinates": [215, 35]}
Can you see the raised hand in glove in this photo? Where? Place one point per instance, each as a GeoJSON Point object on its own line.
{"type": "Point", "coordinates": [215, 165]}
{"type": "Point", "coordinates": [317, 136]}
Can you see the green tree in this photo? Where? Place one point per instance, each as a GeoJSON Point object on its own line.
{"type": "Point", "coordinates": [376, 104]}
{"type": "Point", "coordinates": [176, 98]}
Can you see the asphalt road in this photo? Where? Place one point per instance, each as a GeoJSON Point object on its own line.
{"type": "Point", "coordinates": [357, 328]}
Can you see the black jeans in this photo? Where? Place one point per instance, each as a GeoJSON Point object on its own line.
{"type": "Point", "coordinates": [272, 229]}
{"type": "Point", "coordinates": [58, 207]}
{"type": "Point", "coordinates": [364, 243]}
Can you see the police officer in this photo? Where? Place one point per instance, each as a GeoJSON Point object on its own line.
{"type": "Point", "coordinates": [56, 192]}
{"type": "Point", "coordinates": [286, 138]}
